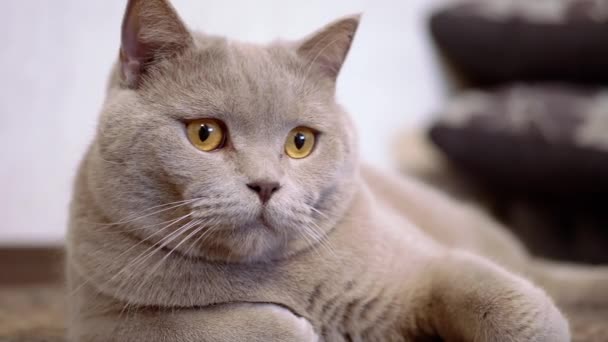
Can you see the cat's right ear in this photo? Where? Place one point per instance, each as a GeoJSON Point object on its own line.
{"type": "Point", "coordinates": [151, 31]}
{"type": "Point", "coordinates": [327, 48]}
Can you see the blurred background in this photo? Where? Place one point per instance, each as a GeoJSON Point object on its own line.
{"type": "Point", "coordinates": [500, 103]}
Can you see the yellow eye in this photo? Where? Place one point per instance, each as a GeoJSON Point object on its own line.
{"type": "Point", "coordinates": [300, 142]}
{"type": "Point", "coordinates": [206, 134]}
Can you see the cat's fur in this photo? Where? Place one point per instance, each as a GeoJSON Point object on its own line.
{"type": "Point", "coordinates": [342, 253]}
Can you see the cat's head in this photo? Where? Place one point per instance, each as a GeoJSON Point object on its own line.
{"type": "Point", "coordinates": [223, 149]}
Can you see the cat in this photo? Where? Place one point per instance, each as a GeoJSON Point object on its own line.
{"type": "Point", "coordinates": [222, 199]}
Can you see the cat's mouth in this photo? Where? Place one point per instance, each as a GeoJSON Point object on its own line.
{"type": "Point", "coordinates": [262, 219]}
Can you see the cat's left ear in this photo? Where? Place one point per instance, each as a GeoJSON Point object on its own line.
{"type": "Point", "coordinates": [151, 31]}
{"type": "Point", "coordinates": [327, 48]}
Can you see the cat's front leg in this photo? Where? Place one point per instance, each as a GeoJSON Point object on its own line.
{"type": "Point", "coordinates": [242, 322]}
{"type": "Point", "coordinates": [472, 299]}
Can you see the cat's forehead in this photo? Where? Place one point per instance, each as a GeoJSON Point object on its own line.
{"type": "Point", "coordinates": [221, 77]}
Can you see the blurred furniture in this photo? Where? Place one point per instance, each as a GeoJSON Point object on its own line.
{"type": "Point", "coordinates": [527, 126]}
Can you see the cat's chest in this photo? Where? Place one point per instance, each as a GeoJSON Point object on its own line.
{"type": "Point", "coordinates": [360, 291]}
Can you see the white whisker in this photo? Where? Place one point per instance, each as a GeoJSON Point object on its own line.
{"type": "Point", "coordinates": [172, 222]}
{"type": "Point", "coordinates": [172, 205]}
{"type": "Point", "coordinates": [159, 263]}
{"type": "Point", "coordinates": [145, 255]}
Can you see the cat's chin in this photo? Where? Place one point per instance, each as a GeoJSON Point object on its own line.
{"type": "Point", "coordinates": [258, 240]}
{"type": "Point", "coordinates": [250, 242]}
{"type": "Point", "coordinates": [260, 223]}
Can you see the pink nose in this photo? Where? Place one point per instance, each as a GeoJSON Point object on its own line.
{"type": "Point", "coordinates": [264, 189]}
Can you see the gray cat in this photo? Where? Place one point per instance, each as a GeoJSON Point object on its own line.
{"type": "Point", "coordinates": [223, 200]}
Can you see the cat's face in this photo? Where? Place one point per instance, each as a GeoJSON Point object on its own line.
{"type": "Point", "coordinates": [247, 141]}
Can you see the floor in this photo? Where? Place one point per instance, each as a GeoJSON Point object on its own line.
{"type": "Point", "coordinates": [31, 295]}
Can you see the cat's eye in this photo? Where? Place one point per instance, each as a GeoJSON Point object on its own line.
{"type": "Point", "coordinates": [206, 134]}
{"type": "Point", "coordinates": [300, 142]}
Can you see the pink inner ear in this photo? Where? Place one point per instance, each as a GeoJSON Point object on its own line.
{"type": "Point", "coordinates": [131, 70]}
{"type": "Point", "coordinates": [130, 64]}
{"type": "Point", "coordinates": [134, 53]}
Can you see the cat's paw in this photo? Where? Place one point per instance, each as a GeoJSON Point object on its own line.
{"type": "Point", "coordinates": [530, 318]}
{"type": "Point", "coordinates": [299, 327]}
{"type": "Point", "coordinates": [479, 301]}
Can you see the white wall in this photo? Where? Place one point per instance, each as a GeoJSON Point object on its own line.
{"type": "Point", "coordinates": [55, 55]}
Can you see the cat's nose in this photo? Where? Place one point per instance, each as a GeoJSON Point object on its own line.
{"type": "Point", "coordinates": [264, 189]}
